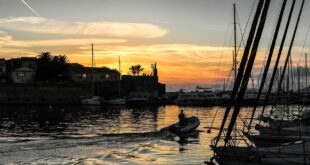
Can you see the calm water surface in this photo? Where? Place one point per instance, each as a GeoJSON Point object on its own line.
{"type": "Point", "coordinates": [102, 135]}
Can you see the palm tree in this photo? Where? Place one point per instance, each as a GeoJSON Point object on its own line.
{"type": "Point", "coordinates": [133, 70]}
{"type": "Point", "coordinates": [136, 69]}
{"type": "Point", "coordinates": [139, 69]}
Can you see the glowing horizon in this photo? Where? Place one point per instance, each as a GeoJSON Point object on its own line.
{"type": "Point", "coordinates": [188, 44]}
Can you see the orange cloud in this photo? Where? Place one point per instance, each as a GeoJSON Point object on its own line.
{"type": "Point", "coordinates": [177, 63]}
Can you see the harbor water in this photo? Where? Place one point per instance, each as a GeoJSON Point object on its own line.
{"type": "Point", "coordinates": [103, 135]}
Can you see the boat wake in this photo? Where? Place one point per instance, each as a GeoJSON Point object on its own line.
{"type": "Point", "coordinates": [39, 137]}
{"type": "Point", "coordinates": [101, 148]}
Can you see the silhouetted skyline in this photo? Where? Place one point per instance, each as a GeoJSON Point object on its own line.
{"type": "Point", "coordinates": [185, 38]}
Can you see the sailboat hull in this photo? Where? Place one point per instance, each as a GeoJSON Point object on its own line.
{"type": "Point", "coordinates": [94, 100]}
{"type": "Point", "coordinates": [116, 102]}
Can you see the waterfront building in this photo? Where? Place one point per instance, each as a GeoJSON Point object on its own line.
{"type": "Point", "coordinates": [81, 74]}
{"type": "Point", "coordinates": [21, 70]}
{"type": "Point", "coordinates": [107, 82]}
{"type": "Point", "coordinates": [145, 86]}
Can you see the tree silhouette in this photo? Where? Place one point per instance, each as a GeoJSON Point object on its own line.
{"type": "Point", "coordinates": [59, 69]}
{"type": "Point", "coordinates": [136, 69]}
{"type": "Point", "coordinates": [44, 66]}
{"type": "Point", "coordinates": [139, 69]}
{"type": "Point", "coordinates": [133, 70]}
{"type": "Point", "coordinates": [51, 68]}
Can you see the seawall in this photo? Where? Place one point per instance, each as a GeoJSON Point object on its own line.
{"type": "Point", "coordinates": [43, 93]}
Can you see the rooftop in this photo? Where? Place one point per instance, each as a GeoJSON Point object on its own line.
{"type": "Point", "coordinates": [79, 68]}
{"type": "Point", "coordinates": [24, 69]}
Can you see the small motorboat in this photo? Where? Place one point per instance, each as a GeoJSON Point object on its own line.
{"type": "Point", "coordinates": [192, 124]}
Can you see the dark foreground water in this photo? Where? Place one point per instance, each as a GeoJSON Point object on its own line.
{"type": "Point", "coordinates": [102, 135]}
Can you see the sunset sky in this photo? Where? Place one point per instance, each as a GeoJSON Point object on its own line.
{"type": "Point", "coordinates": [191, 40]}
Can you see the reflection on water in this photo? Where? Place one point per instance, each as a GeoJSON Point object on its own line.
{"type": "Point", "coordinates": [102, 135]}
{"type": "Point", "coordinates": [76, 120]}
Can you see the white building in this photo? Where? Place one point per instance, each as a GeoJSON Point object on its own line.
{"type": "Point", "coordinates": [23, 75]}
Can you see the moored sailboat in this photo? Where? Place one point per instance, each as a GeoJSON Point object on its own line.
{"type": "Point", "coordinates": [92, 100]}
{"type": "Point", "coordinates": [119, 100]}
{"type": "Point", "coordinates": [241, 149]}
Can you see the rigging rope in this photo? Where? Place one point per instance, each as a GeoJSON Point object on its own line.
{"type": "Point", "coordinates": [242, 66]}
{"type": "Point", "coordinates": [278, 58]}
{"type": "Point", "coordinates": [249, 67]}
{"type": "Point", "coordinates": [274, 40]}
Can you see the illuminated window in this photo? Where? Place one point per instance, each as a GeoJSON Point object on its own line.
{"type": "Point", "coordinates": [84, 76]}
{"type": "Point", "coordinates": [20, 74]}
{"type": "Point", "coordinates": [107, 76]}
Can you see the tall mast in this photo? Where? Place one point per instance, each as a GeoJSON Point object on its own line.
{"type": "Point", "coordinates": [119, 64]}
{"type": "Point", "coordinates": [275, 68]}
{"type": "Point", "coordinates": [235, 44]}
{"type": "Point", "coordinates": [292, 74]}
{"type": "Point", "coordinates": [92, 69]}
{"type": "Point", "coordinates": [298, 79]}
{"type": "Point", "coordinates": [235, 56]}
{"type": "Point", "coordinates": [306, 73]}
{"type": "Point", "coordinates": [288, 81]}
{"type": "Point", "coordinates": [274, 40]}
{"type": "Point", "coordinates": [120, 75]}
{"type": "Point", "coordinates": [292, 42]}
{"type": "Point", "coordinates": [248, 70]}
{"type": "Point", "coordinates": [241, 66]}
{"type": "Point", "coordinates": [224, 85]}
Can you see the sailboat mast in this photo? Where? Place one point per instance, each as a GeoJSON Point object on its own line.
{"type": "Point", "coordinates": [306, 72]}
{"type": "Point", "coordinates": [287, 82]}
{"type": "Point", "coordinates": [242, 65]}
{"type": "Point", "coordinates": [120, 75]}
{"type": "Point", "coordinates": [275, 68]}
{"type": "Point", "coordinates": [92, 68]}
{"type": "Point", "coordinates": [248, 70]}
{"type": "Point", "coordinates": [235, 44]}
{"type": "Point", "coordinates": [224, 85]}
{"type": "Point", "coordinates": [292, 74]}
{"type": "Point", "coordinates": [292, 42]}
{"type": "Point", "coordinates": [119, 64]}
{"type": "Point", "coordinates": [298, 79]}
{"type": "Point", "coordinates": [235, 56]}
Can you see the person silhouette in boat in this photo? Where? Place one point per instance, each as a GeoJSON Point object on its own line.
{"type": "Point", "coordinates": [182, 119]}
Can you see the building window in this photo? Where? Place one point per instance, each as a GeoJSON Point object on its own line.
{"type": "Point", "coordinates": [21, 75]}
{"type": "Point", "coordinates": [107, 76]}
{"type": "Point", "coordinates": [84, 76]}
